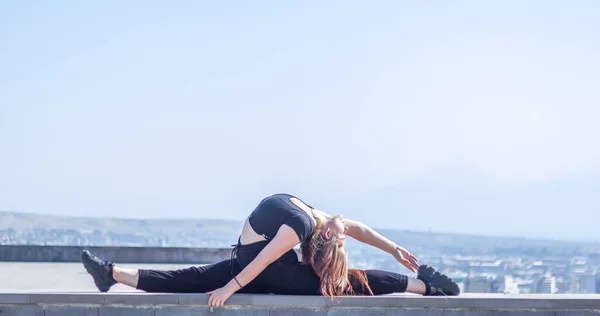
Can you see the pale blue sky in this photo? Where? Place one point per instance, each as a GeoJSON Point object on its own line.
{"type": "Point", "coordinates": [199, 109]}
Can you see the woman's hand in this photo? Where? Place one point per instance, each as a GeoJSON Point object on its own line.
{"type": "Point", "coordinates": [285, 240]}
{"type": "Point", "coordinates": [406, 259]}
{"type": "Point", "coordinates": [219, 296]}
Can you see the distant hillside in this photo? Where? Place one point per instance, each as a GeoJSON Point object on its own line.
{"type": "Point", "coordinates": [26, 228]}
{"type": "Point", "coordinates": [21, 228]}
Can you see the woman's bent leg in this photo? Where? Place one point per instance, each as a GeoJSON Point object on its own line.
{"type": "Point", "coordinates": [190, 280]}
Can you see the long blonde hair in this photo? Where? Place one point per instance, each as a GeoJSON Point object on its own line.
{"type": "Point", "coordinates": [329, 261]}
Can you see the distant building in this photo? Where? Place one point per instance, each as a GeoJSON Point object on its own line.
{"type": "Point", "coordinates": [587, 282]}
{"type": "Point", "coordinates": [541, 267]}
{"type": "Point", "coordinates": [563, 285]}
{"type": "Point", "coordinates": [579, 262]}
{"type": "Point", "coordinates": [496, 267]}
{"type": "Point", "coordinates": [525, 286]}
{"type": "Point", "coordinates": [481, 283]}
{"type": "Point", "coordinates": [545, 284]}
{"type": "Point", "coordinates": [505, 284]}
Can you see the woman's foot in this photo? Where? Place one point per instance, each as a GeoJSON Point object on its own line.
{"type": "Point", "coordinates": [437, 284]}
{"type": "Point", "coordinates": [100, 270]}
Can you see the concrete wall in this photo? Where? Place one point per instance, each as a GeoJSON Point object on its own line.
{"type": "Point", "coordinates": [38, 253]}
{"type": "Point", "coordinates": [114, 304]}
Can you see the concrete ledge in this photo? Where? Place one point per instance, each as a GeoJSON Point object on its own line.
{"type": "Point", "coordinates": [109, 304]}
{"type": "Point", "coordinates": [39, 253]}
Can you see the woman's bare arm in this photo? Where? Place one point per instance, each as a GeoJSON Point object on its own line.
{"type": "Point", "coordinates": [367, 235]}
{"type": "Point", "coordinates": [284, 240]}
{"type": "Point", "coordinates": [364, 233]}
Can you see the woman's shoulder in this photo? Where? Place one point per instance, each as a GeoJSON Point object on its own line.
{"type": "Point", "coordinates": [280, 195]}
{"type": "Point", "coordinates": [286, 198]}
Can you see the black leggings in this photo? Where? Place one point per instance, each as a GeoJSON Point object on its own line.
{"type": "Point", "coordinates": [284, 276]}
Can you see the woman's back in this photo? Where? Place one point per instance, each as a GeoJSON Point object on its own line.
{"type": "Point", "coordinates": [273, 212]}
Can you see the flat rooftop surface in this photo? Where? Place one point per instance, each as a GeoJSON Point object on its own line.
{"type": "Point", "coordinates": [59, 277]}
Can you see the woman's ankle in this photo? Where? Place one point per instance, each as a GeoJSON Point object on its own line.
{"type": "Point", "coordinates": [416, 286]}
{"type": "Point", "coordinates": [114, 273]}
{"type": "Point", "coordinates": [124, 276]}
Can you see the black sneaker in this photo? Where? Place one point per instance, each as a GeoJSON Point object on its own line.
{"type": "Point", "coordinates": [100, 270]}
{"type": "Point", "coordinates": [436, 283]}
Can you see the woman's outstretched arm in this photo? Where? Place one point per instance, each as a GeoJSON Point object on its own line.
{"type": "Point", "coordinates": [367, 235]}
{"type": "Point", "coordinates": [284, 240]}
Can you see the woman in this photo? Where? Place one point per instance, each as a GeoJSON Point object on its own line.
{"type": "Point", "coordinates": [263, 261]}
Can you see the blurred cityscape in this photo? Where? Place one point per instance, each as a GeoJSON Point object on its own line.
{"type": "Point", "coordinates": [480, 264]}
{"type": "Point", "coordinates": [503, 272]}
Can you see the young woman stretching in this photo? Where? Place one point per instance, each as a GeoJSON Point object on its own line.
{"type": "Point", "coordinates": [263, 261]}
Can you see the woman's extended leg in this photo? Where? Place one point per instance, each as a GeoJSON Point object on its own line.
{"type": "Point", "coordinates": [385, 282]}
{"type": "Point", "coordinates": [428, 282]}
{"type": "Point", "coordinates": [190, 280]}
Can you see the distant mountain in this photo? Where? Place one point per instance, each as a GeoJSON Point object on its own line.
{"type": "Point", "coordinates": [26, 228]}
{"type": "Point", "coordinates": [30, 228]}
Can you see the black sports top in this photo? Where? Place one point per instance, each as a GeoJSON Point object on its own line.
{"type": "Point", "coordinates": [277, 210]}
